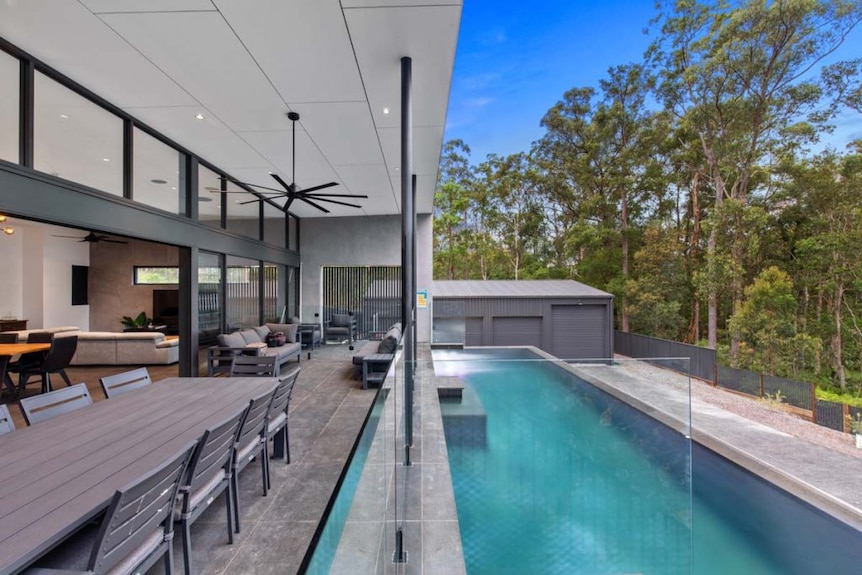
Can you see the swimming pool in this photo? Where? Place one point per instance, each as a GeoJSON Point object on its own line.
{"type": "Point", "coordinates": [560, 477]}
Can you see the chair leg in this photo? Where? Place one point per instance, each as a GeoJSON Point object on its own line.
{"type": "Point", "coordinates": [235, 502]}
{"type": "Point", "coordinates": [65, 377]}
{"type": "Point", "coordinates": [228, 501]}
{"type": "Point", "coordinates": [46, 382]}
{"type": "Point", "coordinates": [187, 546]}
{"type": "Point", "coordinates": [264, 472]}
{"type": "Point", "coordinates": [286, 444]}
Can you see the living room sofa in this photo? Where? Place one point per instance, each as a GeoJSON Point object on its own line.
{"type": "Point", "coordinates": [252, 341]}
{"type": "Point", "coordinates": [110, 348]}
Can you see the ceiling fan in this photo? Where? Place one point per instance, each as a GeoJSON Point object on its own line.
{"type": "Point", "coordinates": [307, 195]}
{"type": "Point", "coordinates": [94, 238]}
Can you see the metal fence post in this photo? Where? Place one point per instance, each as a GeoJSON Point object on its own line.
{"type": "Point", "coordinates": [845, 418]}
{"type": "Point", "coordinates": [761, 385]}
{"type": "Point", "coordinates": [813, 403]}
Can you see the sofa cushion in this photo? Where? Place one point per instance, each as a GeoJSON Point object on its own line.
{"type": "Point", "coordinates": [388, 344]}
{"type": "Point", "coordinates": [250, 336]}
{"type": "Point", "coordinates": [262, 332]}
{"type": "Point", "coordinates": [230, 340]}
{"type": "Point", "coordinates": [340, 320]}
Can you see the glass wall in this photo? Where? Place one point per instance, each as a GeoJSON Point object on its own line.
{"type": "Point", "coordinates": [243, 293]}
{"type": "Point", "coordinates": [159, 174]}
{"type": "Point", "coordinates": [274, 307]}
{"type": "Point", "coordinates": [243, 212]}
{"type": "Point", "coordinates": [10, 74]}
{"type": "Point", "coordinates": [210, 297]}
{"type": "Point", "coordinates": [274, 225]}
{"type": "Point", "coordinates": [209, 200]}
{"type": "Point", "coordinates": [76, 139]}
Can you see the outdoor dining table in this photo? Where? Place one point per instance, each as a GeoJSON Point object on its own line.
{"type": "Point", "coordinates": [59, 474]}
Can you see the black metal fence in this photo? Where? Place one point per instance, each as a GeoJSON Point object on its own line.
{"type": "Point", "coordinates": [703, 365]}
{"type": "Point", "coordinates": [701, 361]}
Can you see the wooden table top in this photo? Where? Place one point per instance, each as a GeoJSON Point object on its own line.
{"type": "Point", "coordinates": [19, 348]}
{"type": "Point", "coordinates": [58, 474]}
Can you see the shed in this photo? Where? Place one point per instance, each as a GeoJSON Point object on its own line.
{"type": "Point", "coordinates": [565, 318]}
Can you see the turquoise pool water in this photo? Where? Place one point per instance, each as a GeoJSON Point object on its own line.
{"type": "Point", "coordinates": [562, 478]}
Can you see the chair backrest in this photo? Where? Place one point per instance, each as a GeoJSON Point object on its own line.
{"type": "Point", "coordinates": [120, 383]}
{"type": "Point", "coordinates": [36, 357]}
{"type": "Point", "coordinates": [213, 451]}
{"type": "Point", "coordinates": [281, 396]}
{"type": "Point", "coordinates": [254, 366]}
{"type": "Point", "coordinates": [140, 516]}
{"type": "Point", "coordinates": [61, 353]}
{"type": "Point", "coordinates": [6, 423]}
{"type": "Point", "coordinates": [9, 337]}
{"type": "Point", "coordinates": [254, 419]}
{"type": "Point", "coordinates": [48, 405]}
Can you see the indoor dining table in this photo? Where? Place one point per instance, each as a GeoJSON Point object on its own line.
{"type": "Point", "coordinates": [10, 350]}
{"type": "Point", "coordinates": [59, 474]}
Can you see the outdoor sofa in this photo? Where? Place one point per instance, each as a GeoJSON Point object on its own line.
{"type": "Point", "coordinates": [383, 349]}
{"type": "Point", "coordinates": [252, 341]}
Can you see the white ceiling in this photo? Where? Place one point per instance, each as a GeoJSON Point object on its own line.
{"type": "Point", "coordinates": [244, 64]}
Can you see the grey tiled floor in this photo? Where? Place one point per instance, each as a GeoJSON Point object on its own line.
{"type": "Point", "coordinates": [326, 414]}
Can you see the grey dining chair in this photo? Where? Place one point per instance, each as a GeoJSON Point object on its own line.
{"type": "Point", "coordinates": [277, 416]}
{"type": "Point", "coordinates": [6, 423]}
{"type": "Point", "coordinates": [207, 476]}
{"type": "Point", "coordinates": [120, 383]}
{"type": "Point", "coordinates": [135, 533]}
{"type": "Point", "coordinates": [9, 337]}
{"type": "Point", "coordinates": [254, 366]}
{"type": "Point", "coordinates": [32, 358]}
{"type": "Point", "coordinates": [250, 443]}
{"type": "Point", "coordinates": [49, 405]}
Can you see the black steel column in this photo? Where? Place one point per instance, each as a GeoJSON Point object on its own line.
{"type": "Point", "coordinates": [188, 311]}
{"type": "Point", "coordinates": [26, 113]}
{"type": "Point", "coordinates": [408, 290]}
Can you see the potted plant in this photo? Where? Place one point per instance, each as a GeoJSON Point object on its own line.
{"type": "Point", "coordinates": [856, 429]}
{"type": "Point", "coordinates": [138, 322]}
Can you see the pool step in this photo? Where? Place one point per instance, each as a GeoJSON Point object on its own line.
{"type": "Point", "coordinates": [464, 419]}
{"type": "Point", "coordinates": [449, 387]}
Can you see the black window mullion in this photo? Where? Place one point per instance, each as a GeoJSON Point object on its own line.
{"type": "Point", "coordinates": [26, 113]}
{"type": "Point", "coordinates": [128, 158]}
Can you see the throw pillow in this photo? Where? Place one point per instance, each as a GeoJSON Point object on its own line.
{"type": "Point", "coordinates": [387, 345]}
{"type": "Point", "coordinates": [262, 332]}
{"type": "Point", "coordinates": [250, 336]}
{"type": "Point", "coordinates": [290, 332]}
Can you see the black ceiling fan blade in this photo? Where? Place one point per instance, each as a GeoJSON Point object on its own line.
{"type": "Point", "coordinates": [112, 241]}
{"type": "Point", "coordinates": [310, 203]}
{"type": "Point", "coordinates": [218, 191]}
{"type": "Point", "coordinates": [333, 202]}
{"type": "Point", "coordinates": [70, 237]}
{"type": "Point", "coordinates": [320, 187]}
{"type": "Point", "coordinates": [289, 201]}
{"type": "Point", "coordinates": [334, 195]}
{"type": "Point", "coordinates": [281, 181]}
{"type": "Point", "coordinates": [249, 201]}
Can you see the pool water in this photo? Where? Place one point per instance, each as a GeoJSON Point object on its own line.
{"type": "Point", "coordinates": [559, 477]}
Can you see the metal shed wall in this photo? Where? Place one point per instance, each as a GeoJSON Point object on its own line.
{"type": "Point", "coordinates": [583, 328]}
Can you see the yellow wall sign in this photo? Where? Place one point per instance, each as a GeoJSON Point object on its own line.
{"type": "Point", "coordinates": [422, 298]}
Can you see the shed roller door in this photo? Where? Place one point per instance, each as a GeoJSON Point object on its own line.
{"type": "Point", "coordinates": [517, 331]}
{"type": "Point", "coordinates": [579, 331]}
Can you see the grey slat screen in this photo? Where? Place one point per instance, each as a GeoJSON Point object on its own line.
{"type": "Point", "coordinates": [371, 293]}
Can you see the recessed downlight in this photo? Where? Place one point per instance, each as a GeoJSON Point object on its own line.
{"type": "Point", "coordinates": [385, 111]}
{"type": "Point", "coordinates": [158, 181]}
{"type": "Point", "coordinates": [64, 116]}
{"type": "Point", "coordinates": [106, 159]}
{"type": "Point", "coordinates": [199, 116]}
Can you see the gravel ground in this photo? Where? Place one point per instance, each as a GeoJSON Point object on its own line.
{"type": "Point", "coordinates": [750, 408]}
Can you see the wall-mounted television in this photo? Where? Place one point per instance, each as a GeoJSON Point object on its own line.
{"type": "Point", "coordinates": [79, 285]}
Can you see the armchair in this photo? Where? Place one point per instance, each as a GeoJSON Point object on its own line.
{"type": "Point", "coordinates": [341, 325]}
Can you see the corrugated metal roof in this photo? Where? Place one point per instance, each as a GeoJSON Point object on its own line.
{"type": "Point", "coordinates": [514, 288]}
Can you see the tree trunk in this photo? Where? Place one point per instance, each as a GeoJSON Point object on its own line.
{"type": "Point", "coordinates": [693, 334]}
{"type": "Point", "coordinates": [624, 225]}
{"type": "Point", "coordinates": [837, 357]}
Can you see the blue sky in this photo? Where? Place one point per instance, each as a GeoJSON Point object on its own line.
{"type": "Point", "coordinates": [516, 59]}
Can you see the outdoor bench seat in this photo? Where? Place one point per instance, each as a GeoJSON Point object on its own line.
{"type": "Point", "coordinates": [388, 345]}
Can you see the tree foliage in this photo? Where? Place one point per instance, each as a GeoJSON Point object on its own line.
{"type": "Point", "coordinates": [686, 185]}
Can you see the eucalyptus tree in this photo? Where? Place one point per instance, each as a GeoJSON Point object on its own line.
{"type": "Point", "coordinates": [451, 210]}
{"type": "Point", "coordinates": [740, 75]}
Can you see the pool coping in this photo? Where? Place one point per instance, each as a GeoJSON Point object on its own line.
{"type": "Point", "coordinates": [777, 457]}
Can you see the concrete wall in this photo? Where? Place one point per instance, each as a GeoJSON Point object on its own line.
{"type": "Point", "coordinates": [360, 241]}
{"type": "Point", "coordinates": [111, 288]}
